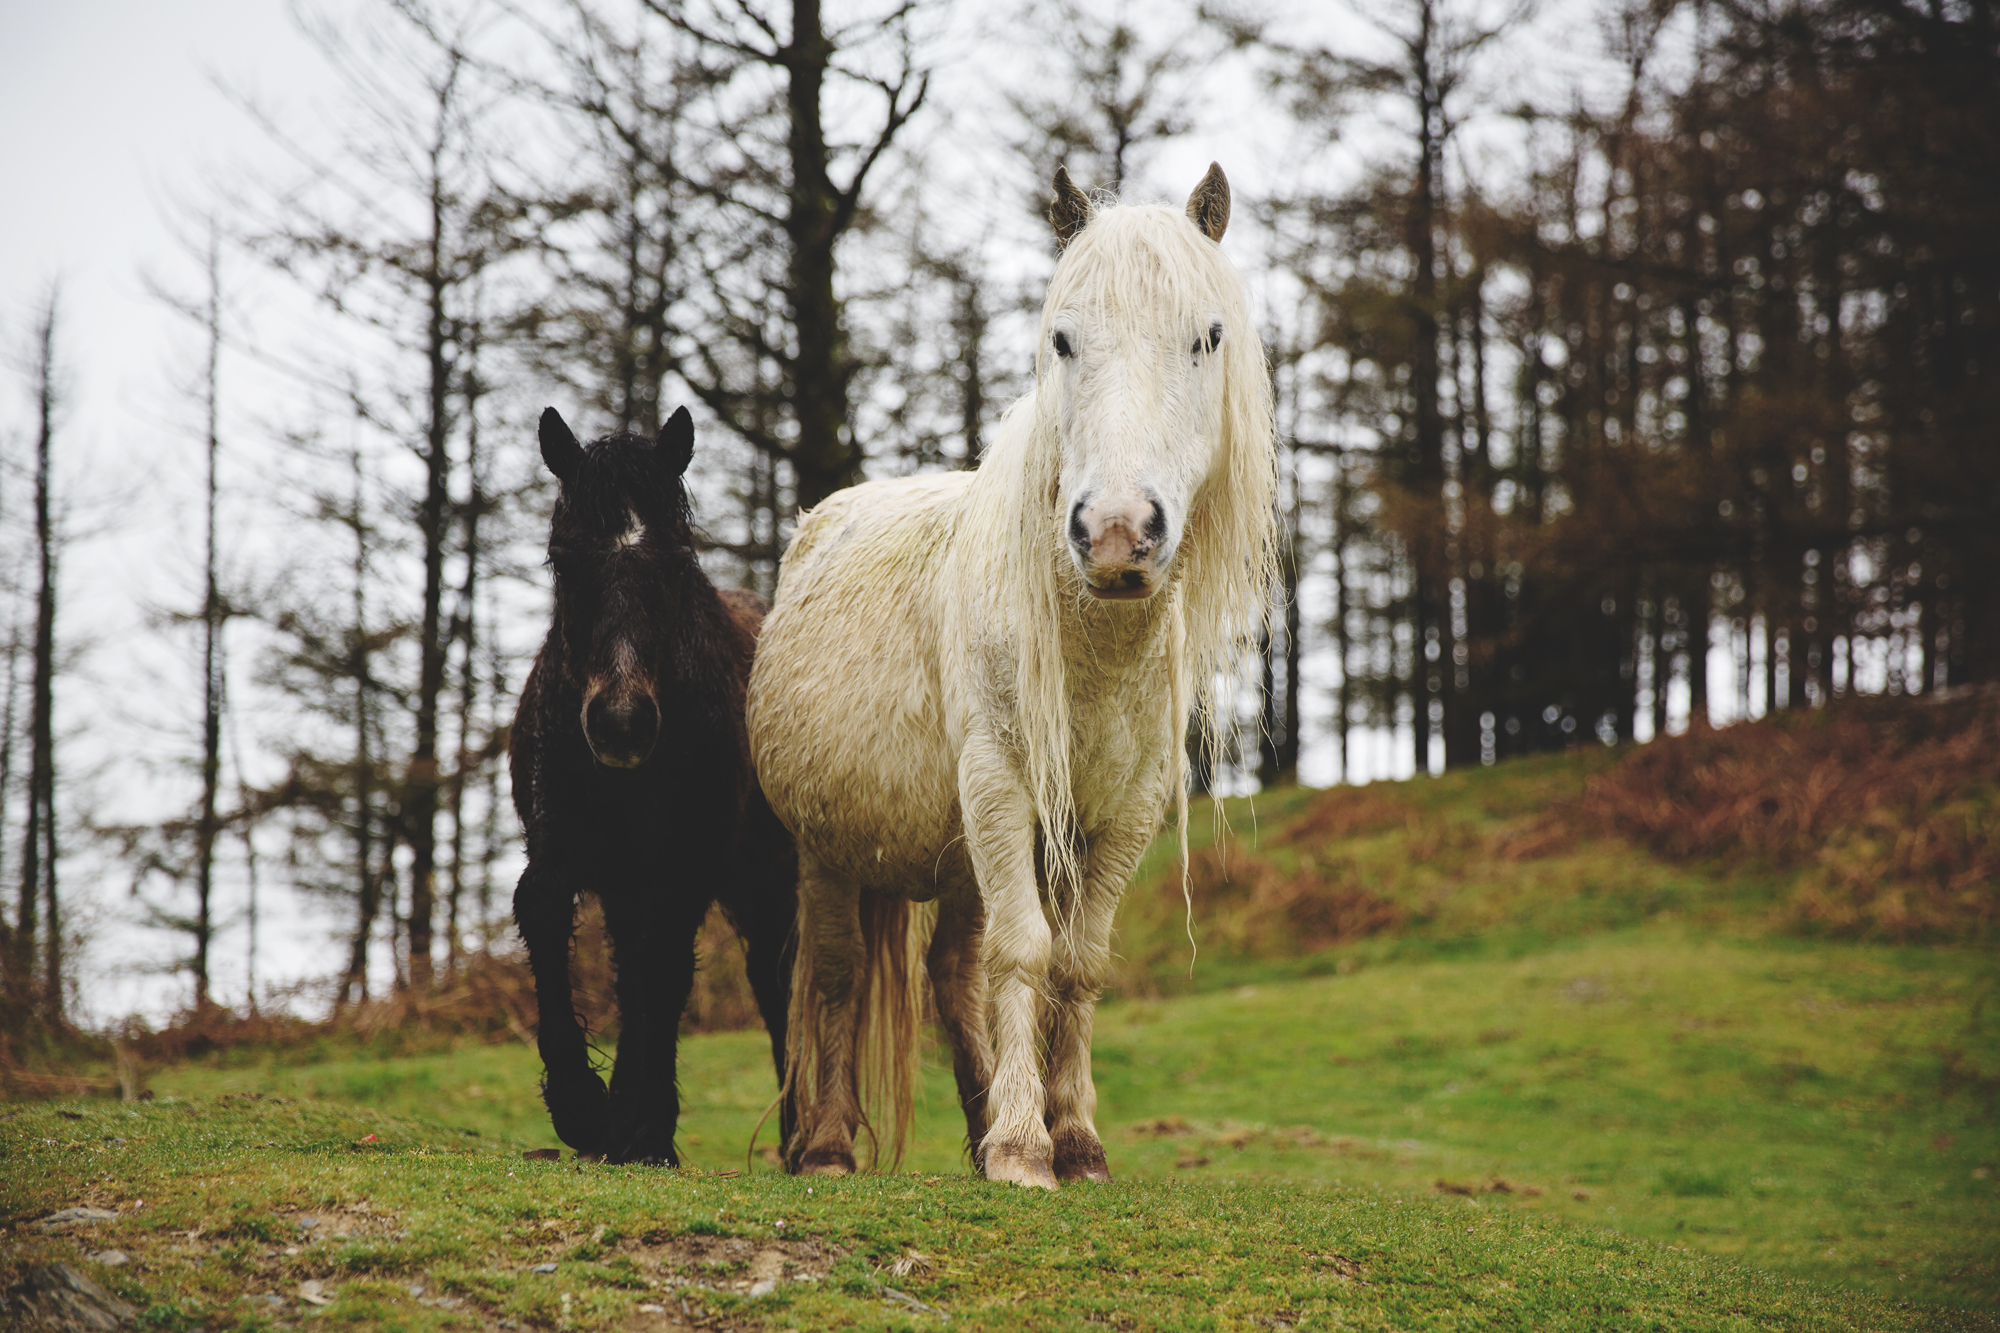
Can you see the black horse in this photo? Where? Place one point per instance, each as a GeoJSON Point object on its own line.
{"type": "Point", "coordinates": [633, 779]}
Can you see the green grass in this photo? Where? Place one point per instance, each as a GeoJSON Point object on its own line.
{"type": "Point", "coordinates": [1574, 1087]}
{"type": "Point", "coordinates": [1778, 1103]}
{"type": "Point", "coordinates": [428, 1214]}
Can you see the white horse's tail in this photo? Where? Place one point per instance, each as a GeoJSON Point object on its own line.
{"type": "Point", "coordinates": [888, 999]}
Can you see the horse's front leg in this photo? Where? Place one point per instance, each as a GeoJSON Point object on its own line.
{"type": "Point", "coordinates": [653, 952]}
{"type": "Point", "coordinates": [1076, 979]}
{"type": "Point", "coordinates": [1014, 950]}
{"type": "Point", "coordinates": [545, 913]}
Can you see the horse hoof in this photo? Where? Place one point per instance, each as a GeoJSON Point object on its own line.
{"type": "Point", "coordinates": [826, 1162]}
{"type": "Point", "coordinates": [1079, 1156]}
{"type": "Point", "coordinates": [1019, 1167]}
{"type": "Point", "coordinates": [580, 1112]}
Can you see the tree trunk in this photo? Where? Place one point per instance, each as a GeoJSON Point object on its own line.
{"type": "Point", "coordinates": [1432, 623]}
{"type": "Point", "coordinates": [367, 892]}
{"type": "Point", "coordinates": [206, 823]}
{"type": "Point", "coordinates": [420, 787]}
{"type": "Point", "coordinates": [38, 861]}
{"type": "Point", "coordinates": [823, 458]}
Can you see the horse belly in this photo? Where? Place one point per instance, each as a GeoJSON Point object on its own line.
{"type": "Point", "coordinates": [846, 722]}
{"type": "Point", "coordinates": [880, 807]}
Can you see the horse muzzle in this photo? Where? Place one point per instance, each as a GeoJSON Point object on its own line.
{"type": "Point", "coordinates": [1121, 549]}
{"type": "Point", "coordinates": [621, 729]}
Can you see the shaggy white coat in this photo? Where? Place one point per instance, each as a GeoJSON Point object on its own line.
{"type": "Point", "coordinates": [940, 711]}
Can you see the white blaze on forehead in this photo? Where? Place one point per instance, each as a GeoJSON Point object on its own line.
{"type": "Point", "coordinates": [635, 532]}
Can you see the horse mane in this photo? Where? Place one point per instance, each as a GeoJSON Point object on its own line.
{"type": "Point", "coordinates": [1226, 565]}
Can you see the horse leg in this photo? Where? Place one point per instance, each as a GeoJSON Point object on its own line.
{"type": "Point", "coordinates": [958, 984]}
{"type": "Point", "coordinates": [1082, 958]}
{"type": "Point", "coordinates": [1014, 951]}
{"type": "Point", "coordinates": [653, 950]}
{"type": "Point", "coordinates": [766, 915]}
{"type": "Point", "coordinates": [545, 913]}
{"type": "Point", "coordinates": [825, 1015]}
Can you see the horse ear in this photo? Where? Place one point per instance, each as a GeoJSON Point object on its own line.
{"type": "Point", "coordinates": [1208, 206]}
{"type": "Point", "coordinates": [675, 443]}
{"type": "Point", "coordinates": [559, 447]}
{"type": "Point", "coordinates": [1070, 210]}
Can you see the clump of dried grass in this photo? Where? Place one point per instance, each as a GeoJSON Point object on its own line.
{"type": "Point", "coordinates": [1348, 812]}
{"type": "Point", "coordinates": [1251, 900]}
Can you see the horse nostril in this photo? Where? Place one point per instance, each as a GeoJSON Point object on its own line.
{"type": "Point", "coordinates": [598, 720]}
{"type": "Point", "coordinates": [1079, 535]}
{"type": "Point", "coordinates": [644, 725]}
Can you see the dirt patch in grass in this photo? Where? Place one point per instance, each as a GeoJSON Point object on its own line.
{"type": "Point", "coordinates": [1207, 1143]}
{"type": "Point", "coordinates": [733, 1263]}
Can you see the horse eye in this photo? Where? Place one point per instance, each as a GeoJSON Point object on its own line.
{"type": "Point", "coordinates": [1062, 344]}
{"type": "Point", "coordinates": [1209, 343]}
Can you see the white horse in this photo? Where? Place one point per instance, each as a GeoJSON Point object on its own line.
{"type": "Point", "coordinates": [974, 688]}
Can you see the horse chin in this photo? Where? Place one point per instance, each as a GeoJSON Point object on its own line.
{"type": "Point", "coordinates": [1124, 592]}
{"type": "Point", "coordinates": [624, 762]}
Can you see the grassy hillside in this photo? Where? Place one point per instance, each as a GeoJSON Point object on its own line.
{"type": "Point", "coordinates": [1508, 1048]}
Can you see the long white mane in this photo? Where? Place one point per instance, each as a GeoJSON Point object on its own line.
{"type": "Point", "coordinates": [1152, 263]}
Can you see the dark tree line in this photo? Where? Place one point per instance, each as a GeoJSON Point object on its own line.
{"type": "Point", "coordinates": [1718, 376]}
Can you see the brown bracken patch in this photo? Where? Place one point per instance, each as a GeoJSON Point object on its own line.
{"type": "Point", "coordinates": [1313, 907]}
{"type": "Point", "coordinates": [1889, 806]}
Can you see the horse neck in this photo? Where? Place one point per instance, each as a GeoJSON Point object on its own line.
{"type": "Point", "coordinates": [1114, 638]}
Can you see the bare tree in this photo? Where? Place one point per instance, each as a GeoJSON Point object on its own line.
{"type": "Point", "coordinates": [38, 883]}
{"type": "Point", "coordinates": [411, 275]}
{"type": "Point", "coordinates": [1116, 98]}
{"type": "Point", "coordinates": [784, 179]}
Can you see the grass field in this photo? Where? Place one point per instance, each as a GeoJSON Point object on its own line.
{"type": "Point", "coordinates": [1571, 1086]}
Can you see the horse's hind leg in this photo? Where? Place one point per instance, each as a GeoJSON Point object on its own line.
{"type": "Point", "coordinates": [545, 912]}
{"type": "Point", "coordinates": [823, 1027]}
{"type": "Point", "coordinates": [766, 915]}
{"type": "Point", "coordinates": [958, 984]}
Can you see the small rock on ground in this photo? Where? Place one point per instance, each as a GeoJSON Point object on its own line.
{"type": "Point", "coordinates": [55, 1298]}
{"type": "Point", "coordinates": [73, 1215]}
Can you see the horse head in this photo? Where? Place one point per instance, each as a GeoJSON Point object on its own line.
{"type": "Point", "coordinates": [1139, 349]}
{"type": "Point", "coordinates": [620, 544]}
